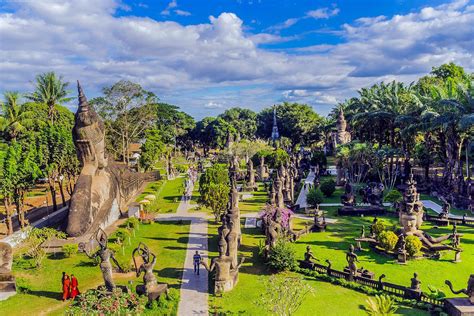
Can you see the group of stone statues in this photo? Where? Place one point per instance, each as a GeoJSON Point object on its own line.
{"type": "Point", "coordinates": [97, 248]}
{"type": "Point", "coordinates": [283, 185]}
{"type": "Point", "coordinates": [226, 265]}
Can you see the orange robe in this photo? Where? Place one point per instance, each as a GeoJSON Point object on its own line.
{"type": "Point", "coordinates": [74, 288]}
{"type": "Point", "coordinates": [66, 285]}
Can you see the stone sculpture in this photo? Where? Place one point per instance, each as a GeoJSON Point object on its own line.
{"type": "Point", "coordinates": [150, 286]}
{"type": "Point", "coordinates": [415, 283]}
{"type": "Point", "coordinates": [351, 259]}
{"type": "Point", "coordinates": [308, 255]}
{"type": "Point", "coordinates": [7, 280]}
{"type": "Point", "coordinates": [342, 135]}
{"type": "Point", "coordinates": [411, 208]}
{"type": "Point", "coordinates": [102, 189]}
{"type": "Point", "coordinates": [469, 290]}
{"type": "Point", "coordinates": [226, 266]}
{"type": "Point", "coordinates": [251, 185]}
{"type": "Point", "coordinates": [279, 193]}
{"type": "Point", "coordinates": [348, 198]}
{"type": "Point", "coordinates": [105, 255]}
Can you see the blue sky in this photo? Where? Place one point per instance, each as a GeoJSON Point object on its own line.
{"type": "Point", "coordinates": [207, 56]}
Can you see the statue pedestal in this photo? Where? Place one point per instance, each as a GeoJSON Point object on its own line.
{"type": "Point", "coordinates": [7, 286]}
{"type": "Point", "coordinates": [459, 307]}
{"type": "Point", "coordinates": [402, 258]}
{"type": "Point", "coordinates": [457, 256]}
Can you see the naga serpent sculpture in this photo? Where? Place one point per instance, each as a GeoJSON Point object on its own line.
{"type": "Point", "coordinates": [469, 291]}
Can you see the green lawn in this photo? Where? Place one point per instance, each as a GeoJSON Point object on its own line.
{"type": "Point", "coordinates": [168, 240]}
{"type": "Point", "coordinates": [328, 299]}
{"type": "Point", "coordinates": [168, 195]}
{"type": "Point", "coordinates": [333, 243]}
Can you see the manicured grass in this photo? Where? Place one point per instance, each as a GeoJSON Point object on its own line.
{"type": "Point", "coordinates": [168, 195]}
{"type": "Point", "coordinates": [168, 240]}
{"type": "Point", "coordinates": [328, 299]}
{"type": "Point", "coordinates": [333, 244]}
{"type": "Point", "coordinates": [256, 202]}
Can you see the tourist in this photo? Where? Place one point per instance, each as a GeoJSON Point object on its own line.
{"type": "Point", "coordinates": [66, 287]}
{"type": "Point", "coordinates": [197, 261]}
{"type": "Point", "coordinates": [74, 287]}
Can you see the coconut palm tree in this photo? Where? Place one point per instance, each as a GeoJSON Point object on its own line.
{"type": "Point", "coordinates": [14, 118]}
{"type": "Point", "coordinates": [50, 90]}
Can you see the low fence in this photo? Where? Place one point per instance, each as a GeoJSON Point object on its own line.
{"type": "Point", "coordinates": [134, 180]}
{"type": "Point", "coordinates": [380, 285]}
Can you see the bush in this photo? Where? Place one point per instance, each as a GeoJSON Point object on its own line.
{"type": "Point", "coordinates": [381, 305]}
{"type": "Point", "coordinates": [282, 256]}
{"type": "Point", "coordinates": [181, 168]}
{"type": "Point", "coordinates": [314, 197]}
{"type": "Point", "coordinates": [132, 223]}
{"type": "Point", "coordinates": [378, 227]}
{"type": "Point", "coordinates": [394, 196]}
{"type": "Point", "coordinates": [413, 245]}
{"type": "Point", "coordinates": [99, 302]}
{"type": "Point", "coordinates": [122, 234]}
{"type": "Point", "coordinates": [69, 250]}
{"type": "Point", "coordinates": [328, 187]}
{"type": "Point", "coordinates": [166, 304]}
{"type": "Point", "coordinates": [388, 240]}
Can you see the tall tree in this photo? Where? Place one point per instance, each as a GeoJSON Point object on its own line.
{"type": "Point", "coordinates": [243, 120]}
{"type": "Point", "coordinates": [127, 110]}
{"type": "Point", "coordinates": [50, 90]}
{"type": "Point", "coordinates": [14, 117]}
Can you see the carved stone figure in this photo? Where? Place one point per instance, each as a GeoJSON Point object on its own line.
{"type": "Point", "coordinates": [279, 194]}
{"type": "Point", "coordinates": [415, 283]}
{"type": "Point", "coordinates": [150, 286]}
{"type": "Point", "coordinates": [372, 194]}
{"type": "Point", "coordinates": [102, 189]}
{"type": "Point", "coordinates": [342, 135]}
{"type": "Point", "coordinates": [308, 255]}
{"type": "Point", "coordinates": [348, 198]}
{"type": "Point", "coordinates": [411, 208]}
{"type": "Point", "coordinates": [251, 185]}
{"type": "Point", "coordinates": [105, 255]}
{"type": "Point", "coordinates": [469, 290]}
{"type": "Point", "coordinates": [7, 280]}
{"type": "Point", "coordinates": [351, 259]}
{"type": "Point", "coordinates": [273, 229]}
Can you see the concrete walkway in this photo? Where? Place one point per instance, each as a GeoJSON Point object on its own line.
{"type": "Point", "coordinates": [194, 288]}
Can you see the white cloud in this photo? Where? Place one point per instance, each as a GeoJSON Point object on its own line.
{"type": "Point", "coordinates": [86, 40]}
{"type": "Point", "coordinates": [213, 105]}
{"type": "Point", "coordinates": [171, 5]}
{"type": "Point", "coordinates": [322, 13]}
{"type": "Point", "coordinates": [182, 12]}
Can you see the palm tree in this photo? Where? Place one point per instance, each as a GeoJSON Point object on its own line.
{"type": "Point", "coordinates": [50, 90]}
{"type": "Point", "coordinates": [454, 118]}
{"type": "Point", "coordinates": [14, 118]}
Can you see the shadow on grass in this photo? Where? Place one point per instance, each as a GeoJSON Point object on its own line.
{"type": "Point", "coordinates": [171, 273]}
{"type": "Point", "coordinates": [48, 294]}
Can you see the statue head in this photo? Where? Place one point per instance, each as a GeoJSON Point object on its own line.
{"type": "Point", "coordinates": [89, 134]}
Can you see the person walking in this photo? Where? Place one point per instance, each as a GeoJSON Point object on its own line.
{"type": "Point", "coordinates": [66, 287]}
{"type": "Point", "coordinates": [197, 262]}
{"type": "Point", "coordinates": [74, 287]}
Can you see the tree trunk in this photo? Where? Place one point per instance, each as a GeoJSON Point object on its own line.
{"type": "Point", "coordinates": [61, 191]}
{"type": "Point", "coordinates": [8, 216]}
{"type": "Point", "coordinates": [19, 206]}
{"type": "Point", "coordinates": [52, 189]}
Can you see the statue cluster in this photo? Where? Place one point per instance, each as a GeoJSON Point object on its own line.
{"type": "Point", "coordinates": [226, 266]}
{"type": "Point", "coordinates": [251, 184]}
{"type": "Point", "coordinates": [411, 209]}
{"type": "Point", "coordinates": [283, 185]}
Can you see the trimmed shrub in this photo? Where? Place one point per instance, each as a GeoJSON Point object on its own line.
{"type": "Point", "coordinates": [413, 245]}
{"type": "Point", "coordinates": [314, 197]}
{"type": "Point", "coordinates": [282, 256]}
{"type": "Point", "coordinates": [328, 187]}
{"type": "Point", "coordinates": [394, 196]}
{"type": "Point", "coordinates": [378, 227]}
{"type": "Point", "coordinates": [388, 240]}
{"type": "Point", "coordinates": [69, 250]}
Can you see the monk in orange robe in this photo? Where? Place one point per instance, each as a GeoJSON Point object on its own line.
{"type": "Point", "coordinates": [74, 287]}
{"type": "Point", "coordinates": [66, 286]}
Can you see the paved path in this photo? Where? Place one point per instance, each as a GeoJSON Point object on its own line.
{"type": "Point", "coordinates": [194, 288]}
